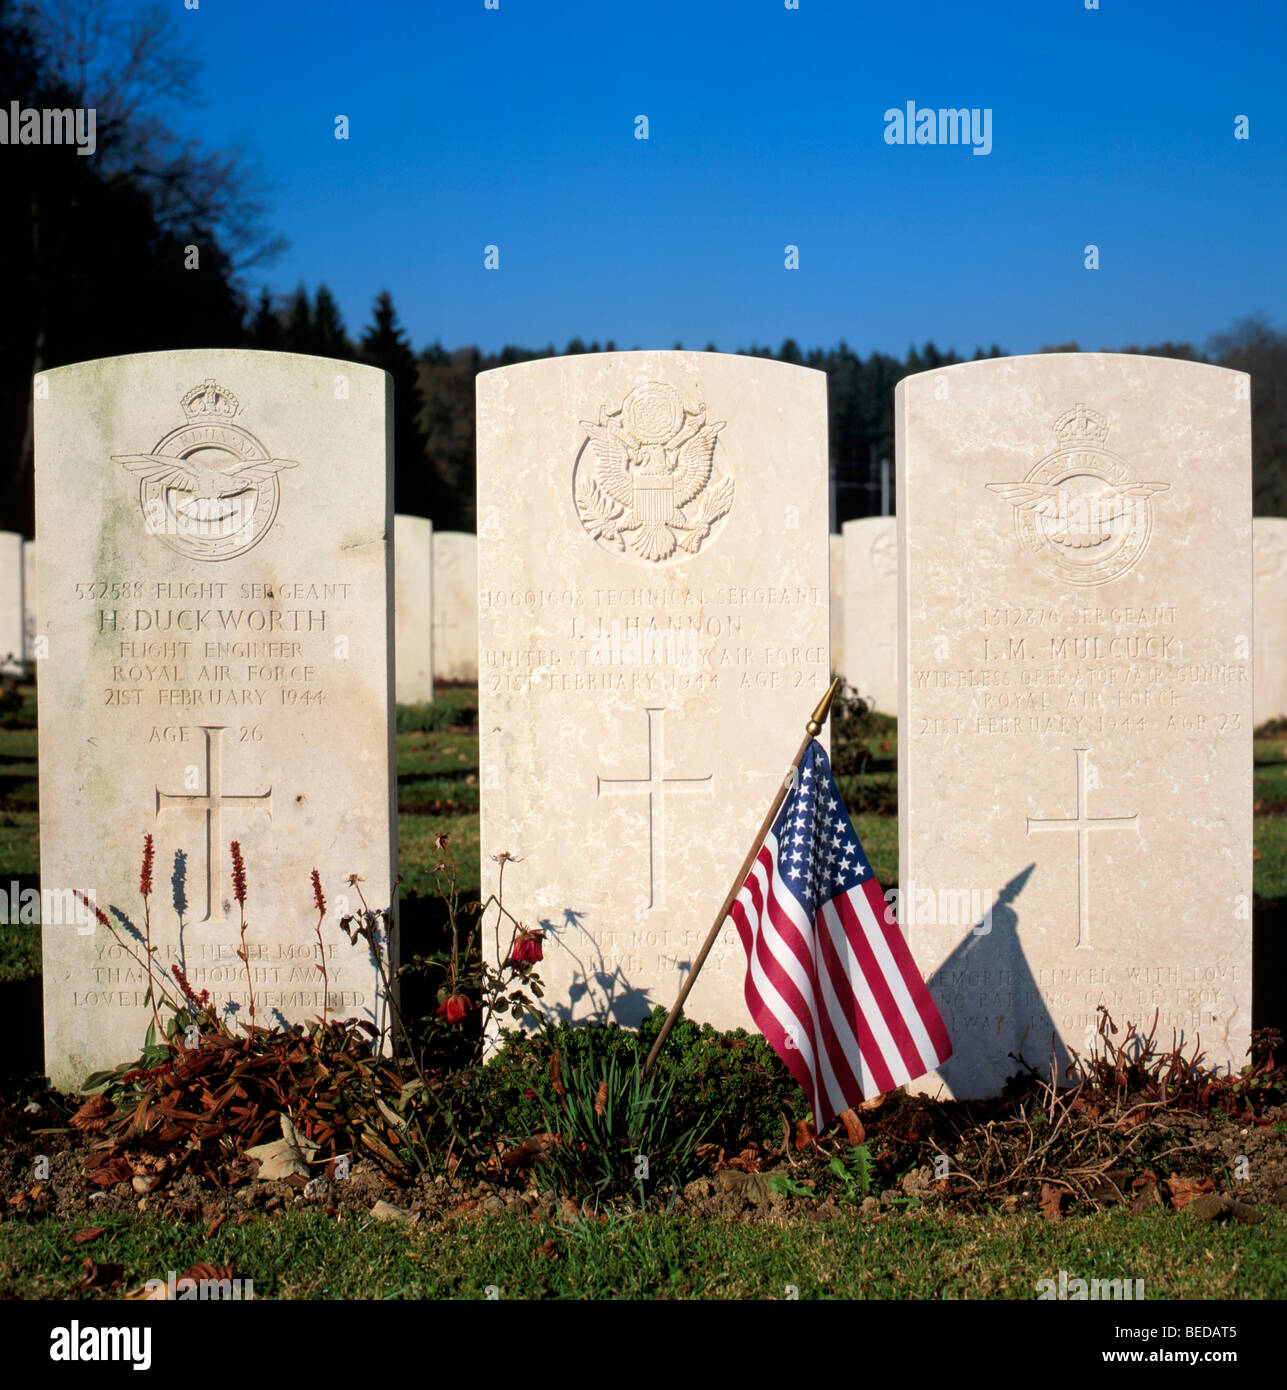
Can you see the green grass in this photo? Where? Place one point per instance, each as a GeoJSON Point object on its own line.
{"type": "Point", "coordinates": [303, 1255]}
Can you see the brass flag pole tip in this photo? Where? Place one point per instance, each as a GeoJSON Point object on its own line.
{"type": "Point", "coordinates": [819, 717]}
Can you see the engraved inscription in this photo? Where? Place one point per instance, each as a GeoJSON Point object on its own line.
{"type": "Point", "coordinates": [1083, 824]}
{"type": "Point", "coordinates": [209, 489]}
{"type": "Point", "coordinates": [655, 786]}
{"type": "Point", "coordinates": [1080, 513]}
{"type": "Point", "coordinates": [645, 480]}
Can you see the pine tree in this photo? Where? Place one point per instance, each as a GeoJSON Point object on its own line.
{"type": "Point", "coordinates": [328, 336]}
{"type": "Point", "coordinates": [385, 345]}
{"type": "Point", "coordinates": [266, 326]}
{"type": "Point", "coordinates": [298, 334]}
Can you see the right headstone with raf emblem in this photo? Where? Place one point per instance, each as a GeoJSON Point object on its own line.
{"type": "Point", "coordinates": [1074, 740]}
{"type": "Point", "coordinates": [871, 610]}
{"type": "Point", "coordinates": [653, 636]}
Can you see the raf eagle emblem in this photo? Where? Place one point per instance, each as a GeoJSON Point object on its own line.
{"type": "Point", "coordinates": [644, 481]}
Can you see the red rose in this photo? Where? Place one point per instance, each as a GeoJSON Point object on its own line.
{"type": "Point", "coordinates": [455, 1006]}
{"type": "Point", "coordinates": [527, 947]}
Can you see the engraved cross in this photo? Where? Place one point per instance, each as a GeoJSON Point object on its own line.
{"type": "Point", "coordinates": [212, 803]}
{"type": "Point", "coordinates": [655, 787]}
{"type": "Point", "coordinates": [1083, 824]}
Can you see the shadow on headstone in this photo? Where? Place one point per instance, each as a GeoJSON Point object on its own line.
{"type": "Point", "coordinates": [1015, 1022]}
{"type": "Point", "coordinates": [596, 994]}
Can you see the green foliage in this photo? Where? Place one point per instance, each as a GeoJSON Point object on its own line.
{"type": "Point", "coordinates": [441, 714]}
{"type": "Point", "coordinates": [615, 1133]}
{"type": "Point", "coordinates": [855, 1176]}
{"type": "Point", "coordinates": [731, 1086]}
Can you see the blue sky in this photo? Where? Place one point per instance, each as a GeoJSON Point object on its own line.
{"type": "Point", "coordinates": [515, 127]}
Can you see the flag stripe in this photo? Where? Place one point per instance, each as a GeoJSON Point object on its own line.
{"type": "Point", "coordinates": [830, 980]}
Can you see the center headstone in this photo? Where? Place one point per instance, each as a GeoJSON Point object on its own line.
{"type": "Point", "coordinates": [653, 615]}
{"type": "Point", "coordinates": [1074, 741]}
{"type": "Point", "coordinates": [217, 608]}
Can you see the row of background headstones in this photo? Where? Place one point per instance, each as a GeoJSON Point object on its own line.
{"type": "Point", "coordinates": [438, 573]}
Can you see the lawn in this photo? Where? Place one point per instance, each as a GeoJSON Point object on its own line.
{"type": "Point", "coordinates": [901, 1251]}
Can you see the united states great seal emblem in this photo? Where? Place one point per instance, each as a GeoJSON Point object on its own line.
{"type": "Point", "coordinates": [646, 482]}
{"type": "Point", "coordinates": [209, 489]}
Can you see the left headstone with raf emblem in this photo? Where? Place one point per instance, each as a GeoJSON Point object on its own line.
{"type": "Point", "coordinates": [215, 589]}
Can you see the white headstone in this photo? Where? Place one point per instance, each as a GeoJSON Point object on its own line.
{"type": "Point", "coordinates": [1075, 737]}
{"type": "Point", "coordinates": [11, 604]}
{"type": "Point", "coordinates": [218, 670]}
{"type": "Point", "coordinates": [455, 606]}
{"type": "Point", "coordinates": [1270, 685]}
{"type": "Point", "coordinates": [871, 610]}
{"type": "Point", "coordinates": [29, 628]}
{"type": "Point", "coordinates": [413, 608]}
{"type": "Point", "coordinates": [653, 619]}
{"type": "Point", "coordinates": [837, 583]}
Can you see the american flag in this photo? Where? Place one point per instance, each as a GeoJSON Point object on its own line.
{"type": "Point", "coordinates": [830, 981]}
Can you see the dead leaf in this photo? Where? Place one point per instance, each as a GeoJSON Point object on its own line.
{"type": "Point", "coordinates": [556, 1076]}
{"type": "Point", "coordinates": [524, 1155]}
{"type": "Point", "coordinates": [1183, 1190]}
{"type": "Point", "coordinates": [1052, 1201]}
{"type": "Point", "coordinates": [88, 1234]}
{"type": "Point", "coordinates": [805, 1137]}
{"type": "Point", "coordinates": [215, 1224]}
{"type": "Point", "coordinates": [114, 1171]}
{"type": "Point", "coordinates": [601, 1098]}
{"type": "Point", "coordinates": [96, 1276]}
{"type": "Point", "coordinates": [854, 1131]}
{"type": "Point", "coordinates": [93, 1115]}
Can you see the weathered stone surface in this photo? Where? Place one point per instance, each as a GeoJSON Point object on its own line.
{"type": "Point", "coordinates": [836, 575]}
{"type": "Point", "coordinates": [455, 606]}
{"type": "Point", "coordinates": [214, 583]}
{"type": "Point", "coordinates": [653, 622]}
{"type": "Point", "coordinates": [1075, 734]}
{"type": "Point", "coordinates": [1269, 535]}
{"type": "Point", "coordinates": [871, 610]}
{"type": "Point", "coordinates": [413, 609]}
{"type": "Point", "coordinates": [11, 603]}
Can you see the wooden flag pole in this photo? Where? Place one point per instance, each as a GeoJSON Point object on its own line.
{"type": "Point", "coordinates": [812, 729]}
